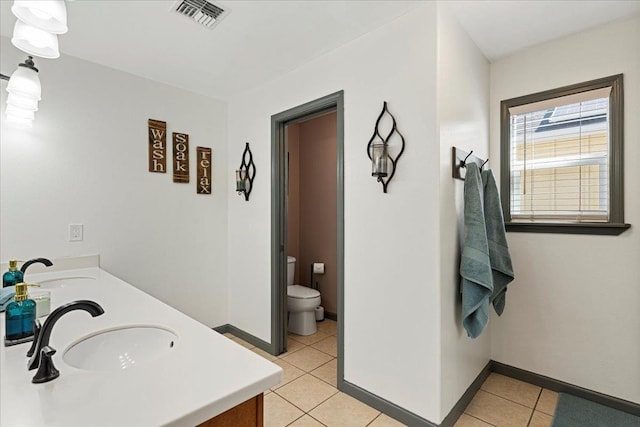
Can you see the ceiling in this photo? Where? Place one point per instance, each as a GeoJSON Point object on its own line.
{"type": "Point", "coordinates": [260, 40]}
{"type": "Point", "coordinates": [501, 28]}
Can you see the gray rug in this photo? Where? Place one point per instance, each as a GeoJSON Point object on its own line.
{"type": "Point", "coordinates": [576, 412]}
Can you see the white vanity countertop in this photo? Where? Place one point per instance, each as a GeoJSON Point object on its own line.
{"type": "Point", "coordinates": [203, 375]}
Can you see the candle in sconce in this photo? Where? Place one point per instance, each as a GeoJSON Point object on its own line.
{"type": "Point", "coordinates": [241, 176]}
{"type": "Point", "coordinates": [379, 164]}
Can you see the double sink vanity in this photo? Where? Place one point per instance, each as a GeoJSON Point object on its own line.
{"type": "Point", "coordinates": [140, 363]}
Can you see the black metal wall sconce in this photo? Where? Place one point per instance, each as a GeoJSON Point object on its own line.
{"type": "Point", "coordinates": [246, 174]}
{"type": "Point", "coordinates": [383, 164]}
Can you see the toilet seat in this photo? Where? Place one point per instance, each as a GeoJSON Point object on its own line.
{"type": "Point", "coordinates": [301, 292]}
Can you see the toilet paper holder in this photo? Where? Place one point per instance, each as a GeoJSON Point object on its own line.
{"type": "Point", "coordinates": [315, 268]}
{"type": "Point", "coordinates": [318, 268]}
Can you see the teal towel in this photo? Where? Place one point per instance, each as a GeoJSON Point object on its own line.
{"type": "Point", "coordinates": [6, 296]}
{"type": "Point", "coordinates": [475, 267]}
{"type": "Point", "coordinates": [497, 240]}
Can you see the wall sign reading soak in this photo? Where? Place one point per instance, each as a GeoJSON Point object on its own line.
{"type": "Point", "coordinates": [157, 146]}
{"type": "Point", "coordinates": [204, 170]}
{"type": "Point", "coordinates": [180, 157]}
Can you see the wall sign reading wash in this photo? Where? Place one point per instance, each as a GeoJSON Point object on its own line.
{"type": "Point", "coordinates": [157, 146]}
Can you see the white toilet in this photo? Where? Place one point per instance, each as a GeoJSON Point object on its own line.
{"type": "Point", "coordinates": [301, 303]}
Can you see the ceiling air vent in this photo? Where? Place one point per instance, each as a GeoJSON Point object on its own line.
{"type": "Point", "coordinates": [202, 12]}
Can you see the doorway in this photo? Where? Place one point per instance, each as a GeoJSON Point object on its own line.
{"type": "Point", "coordinates": [279, 217]}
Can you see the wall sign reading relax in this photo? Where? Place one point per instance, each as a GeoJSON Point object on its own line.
{"type": "Point", "coordinates": [204, 170]}
{"type": "Point", "coordinates": [158, 156]}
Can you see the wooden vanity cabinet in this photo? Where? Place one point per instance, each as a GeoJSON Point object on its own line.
{"type": "Point", "coordinates": [246, 414]}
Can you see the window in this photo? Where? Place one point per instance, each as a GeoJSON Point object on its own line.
{"type": "Point", "coordinates": [561, 155]}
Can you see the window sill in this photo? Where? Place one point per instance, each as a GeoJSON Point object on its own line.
{"type": "Point", "coordinates": [608, 229]}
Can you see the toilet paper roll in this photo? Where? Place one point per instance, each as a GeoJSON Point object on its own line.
{"type": "Point", "coordinates": [318, 268]}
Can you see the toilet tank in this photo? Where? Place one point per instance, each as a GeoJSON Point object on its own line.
{"type": "Point", "coordinates": [291, 269]}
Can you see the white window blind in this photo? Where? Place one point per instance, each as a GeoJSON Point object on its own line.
{"type": "Point", "coordinates": [559, 159]}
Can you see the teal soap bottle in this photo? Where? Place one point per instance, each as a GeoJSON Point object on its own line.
{"type": "Point", "coordinates": [19, 317]}
{"type": "Point", "coordinates": [13, 276]}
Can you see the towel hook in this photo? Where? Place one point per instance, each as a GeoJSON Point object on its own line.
{"type": "Point", "coordinates": [458, 162]}
{"type": "Point", "coordinates": [463, 164]}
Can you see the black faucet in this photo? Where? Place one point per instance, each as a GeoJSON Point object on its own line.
{"type": "Point", "coordinates": [26, 265]}
{"type": "Point", "coordinates": [42, 353]}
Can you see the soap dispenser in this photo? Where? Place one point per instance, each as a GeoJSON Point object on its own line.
{"type": "Point", "coordinates": [19, 317]}
{"type": "Point", "coordinates": [13, 276]}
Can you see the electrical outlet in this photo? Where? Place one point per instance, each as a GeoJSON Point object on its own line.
{"type": "Point", "coordinates": [76, 232]}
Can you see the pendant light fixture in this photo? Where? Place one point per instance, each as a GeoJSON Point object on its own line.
{"type": "Point", "coordinates": [47, 15]}
{"type": "Point", "coordinates": [24, 82]}
{"type": "Point", "coordinates": [35, 32]}
{"type": "Point", "coordinates": [38, 25]}
{"type": "Point", "coordinates": [24, 93]}
{"type": "Point", "coordinates": [35, 41]}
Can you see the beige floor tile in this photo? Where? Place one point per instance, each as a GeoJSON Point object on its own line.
{"type": "Point", "coordinates": [469, 421]}
{"type": "Point", "coordinates": [328, 345]}
{"type": "Point", "coordinates": [328, 372]}
{"type": "Point", "coordinates": [540, 420]}
{"type": "Point", "coordinates": [328, 326]}
{"type": "Point", "coordinates": [344, 411]}
{"type": "Point", "coordinates": [547, 402]}
{"type": "Point", "coordinates": [243, 343]}
{"type": "Point", "coordinates": [498, 411]}
{"type": "Point", "coordinates": [264, 354]}
{"type": "Point", "coordinates": [385, 421]}
{"type": "Point", "coordinates": [278, 412]}
{"type": "Point", "coordinates": [289, 372]}
{"type": "Point", "coordinates": [292, 346]}
{"type": "Point", "coordinates": [306, 421]}
{"type": "Point", "coordinates": [308, 339]}
{"type": "Point", "coordinates": [307, 359]}
{"type": "Point", "coordinates": [517, 391]}
{"type": "Point", "coordinates": [306, 392]}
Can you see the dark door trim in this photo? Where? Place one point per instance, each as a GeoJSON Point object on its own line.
{"type": "Point", "coordinates": [279, 179]}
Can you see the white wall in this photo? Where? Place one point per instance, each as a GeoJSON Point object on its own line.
{"type": "Point", "coordinates": [85, 161]}
{"type": "Point", "coordinates": [463, 116]}
{"type": "Point", "coordinates": [392, 314]}
{"type": "Point", "coordinates": [572, 311]}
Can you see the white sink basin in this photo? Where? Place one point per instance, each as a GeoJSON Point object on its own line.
{"type": "Point", "coordinates": [120, 348]}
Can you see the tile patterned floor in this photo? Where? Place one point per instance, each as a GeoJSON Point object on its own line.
{"type": "Point", "coordinates": [504, 401]}
{"type": "Point", "coordinates": [308, 397]}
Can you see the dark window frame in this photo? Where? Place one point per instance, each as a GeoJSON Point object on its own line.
{"type": "Point", "coordinates": [616, 224]}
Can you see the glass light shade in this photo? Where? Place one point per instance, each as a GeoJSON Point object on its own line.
{"type": "Point", "coordinates": [19, 112]}
{"type": "Point", "coordinates": [25, 83]}
{"type": "Point", "coordinates": [35, 41]}
{"type": "Point", "coordinates": [47, 15]}
{"type": "Point", "coordinates": [21, 122]}
{"type": "Point", "coordinates": [379, 160]}
{"type": "Point", "coordinates": [22, 102]}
